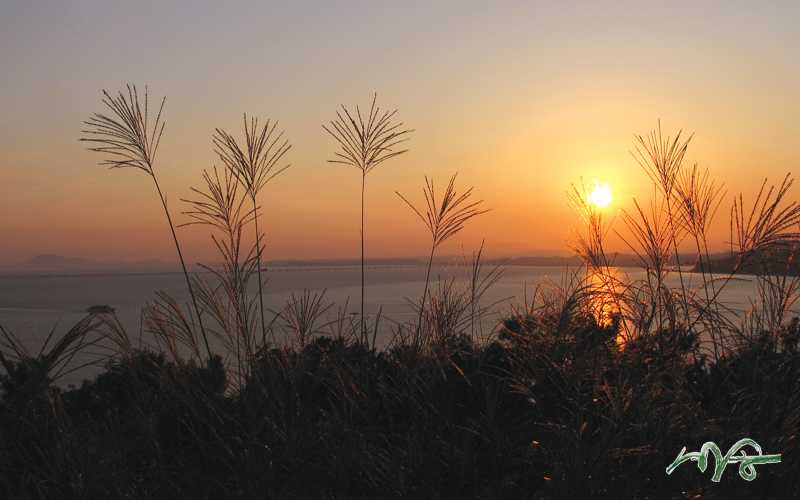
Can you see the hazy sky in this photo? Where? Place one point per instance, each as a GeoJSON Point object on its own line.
{"type": "Point", "coordinates": [521, 98]}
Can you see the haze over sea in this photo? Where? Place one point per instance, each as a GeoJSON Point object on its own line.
{"type": "Point", "coordinates": [35, 303]}
{"type": "Point", "coordinates": [32, 304]}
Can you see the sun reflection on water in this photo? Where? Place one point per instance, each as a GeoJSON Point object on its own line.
{"type": "Point", "coordinates": [604, 293]}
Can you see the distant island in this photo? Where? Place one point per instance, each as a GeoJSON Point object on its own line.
{"type": "Point", "coordinates": [104, 309]}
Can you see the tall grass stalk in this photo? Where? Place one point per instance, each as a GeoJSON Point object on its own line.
{"type": "Point", "coordinates": [698, 200]}
{"type": "Point", "coordinates": [684, 205]}
{"type": "Point", "coordinates": [663, 163]}
{"type": "Point", "coordinates": [765, 234]}
{"type": "Point", "coordinates": [165, 320]}
{"type": "Point", "coordinates": [474, 284]}
{"type": "Point", "coordinates": [602, 280]}
{"type": "Point", "coordinates": [125, 138]}
{"type": "Point", "coordinates": [365, 145]}
{"type": "Point", "coordinates": [254, 168]}
{"type": "Point", "coordinates": [301, 314]}
{"type": "Point", "coordinates": [221, 206]}
{"type": "Point", "coordinates": [443, 219]}
{"type": "Point", "coordinates": [29, 374]}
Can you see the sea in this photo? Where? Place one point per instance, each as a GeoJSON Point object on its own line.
{"type": "Point", "coordinates": [33, 307]}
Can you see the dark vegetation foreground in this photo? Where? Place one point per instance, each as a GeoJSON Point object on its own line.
{"type": "Point", "coordinates": [555, 410]}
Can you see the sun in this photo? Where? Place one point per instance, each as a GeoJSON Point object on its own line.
{"type": "Point", "coordinates": [598, 194]}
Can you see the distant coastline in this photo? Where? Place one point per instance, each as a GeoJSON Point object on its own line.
{"type": "Point", "coordinates": [55, 265]}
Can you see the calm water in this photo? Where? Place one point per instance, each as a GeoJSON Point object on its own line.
{"type": "Point", "coordinates": [31, 307]}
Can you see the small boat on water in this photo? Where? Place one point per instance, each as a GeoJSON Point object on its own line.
{"type": "Point", "coordinates": [105, 309]}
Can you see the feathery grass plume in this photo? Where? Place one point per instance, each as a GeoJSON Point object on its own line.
{"type": "Point", "coordinates": [653, 238]}
{"type": "Point", "coordinates": [443, 219]}
{"type": "Point", "coordinates": [365, 145]}
{"type": "Point", "coordinates": [342, 325]}
{"type": "Point", "coordinates": [125, 139]}
{"type": "Point", "coordinates": [300, 314]}
{"type": "Point", "coordinates": [652, 244]}
{"type": "Point", "coordinates": [764, 236]}
{"type": "Point", "coordinates": [684, 204]}
{"type": "Point", "coordinates": [254, 169]}
{"type": "Point", "coordinates": [768, 226]}
{"type": "Point", "coordinates": [662, 161]}
{"type": "Point", "coordinates": [444, 317]}
{"type": "Point", "coordinates": [165, 320]}
{"type": "Point", "coordinates": [112, 329]}
{"type": "Point", "coordinates": [220, 206]}
{"type": "Point", "coordinates": [28, 374]}
{"type": "Point", "coordinates": [777, 293]}
{"type": "Point", "coordinates": [698, 200]}
{"type": "Point", "coordinates": [474, 284]}
{"type": "Point", "coordinates": [766, 241]}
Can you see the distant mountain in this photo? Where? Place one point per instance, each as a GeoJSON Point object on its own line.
{"type": "Point", "coordinates": [615, 259]}
{"type": "Point", "coordinates": [555, 261]}
{"type": "Point", "coordinates": [786, 261]}
{"type": "Point", "coordinates": [547, 252]}
{"type": "Point", "coordinates": [57, 264]}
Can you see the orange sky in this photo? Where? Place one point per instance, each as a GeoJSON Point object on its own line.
{"type": "Point", "coordinates": [520, 99]}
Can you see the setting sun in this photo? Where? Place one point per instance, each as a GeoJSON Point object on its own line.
{"type": "Point", "coordinates": [599, 194]}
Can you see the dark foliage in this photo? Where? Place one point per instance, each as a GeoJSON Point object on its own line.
{"type": "Point", "coordinates": [563, 415]}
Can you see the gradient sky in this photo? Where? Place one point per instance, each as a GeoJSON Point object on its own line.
{"type": "Point", "coordinates": [521, 98]}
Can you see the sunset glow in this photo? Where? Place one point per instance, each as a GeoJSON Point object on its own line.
{"type": "Point", "coordinates": [599, 194]}
{"type": "Point", "coordinates": [518, 100]}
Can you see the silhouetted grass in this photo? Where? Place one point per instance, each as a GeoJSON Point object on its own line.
{"type": "Point", "coordinates": [365, 145]}
{"type": "Point", "coordinates": [444, 219]}
{"type": "Point", "coordinates": [253, 169]}
{"type": "Point", "coordinates": [125, 140]}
